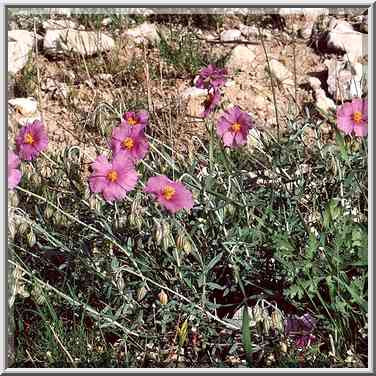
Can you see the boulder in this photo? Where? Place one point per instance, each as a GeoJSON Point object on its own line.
{"type": "Point", "coordinates": [241, 58]}
{"type": "Point", "coordinates": [86, 43]}
{"type": "Point", "coordinates": [143, 34]}
{"type": "Point", "coordinates": [231, 35]}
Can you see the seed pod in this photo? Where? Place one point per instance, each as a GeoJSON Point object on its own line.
{"type": "Point", "coordinates": [141, 293]}
{"type": "Point", "coordinates": [49, 212]}
{"type": "Point", "coordinates": [31, 238]}
{"type": "Point", "coordinates": [277, 321]}
{"type": "Point", "coordinates": [158, 233]}
{"type": "Point", "coordinates": [23, 228]}
{"type": "Point", "coordinates": [120, 283]}
{"type": "Point", "coordinates": [163, 298]}
{"type": "Point", "coordinates": [180, 242]}
{"type": "Point", "coordinates": [257, 313]}
{"type": "Point", "coordinates": [57, 218]}
{"type": "Point", "coordinates": [283, 347]}
{"type": "Point", "coordinates": [35, 180]}
{"type": "Point", "coordinates": [13, 199]}
{"type": "Point", "coordinates": [187, 246]}
{"type": "Point", "coordinates": [12, 229]}
{"type": "Point", "coordinates": [46, 171]}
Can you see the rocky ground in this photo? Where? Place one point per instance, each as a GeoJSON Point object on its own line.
{"type": "Point", "coordinates": [68, 73]}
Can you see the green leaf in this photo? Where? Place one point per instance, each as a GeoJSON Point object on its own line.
{"type": "Point", "coordinates": [246, 336]}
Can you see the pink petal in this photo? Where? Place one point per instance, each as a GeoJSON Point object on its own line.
{"type": "Point", "coordinates": [228, 138]}
{"type": "Point", "coordinates": [361, 130]}
{"type": "Point", "coordinates": [345, 124]}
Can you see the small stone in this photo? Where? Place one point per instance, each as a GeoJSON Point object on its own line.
{"type": "Point", "coordinates": [24, 106]}
{"type": "Point", "coordinates": [231, 35]}
{"type": "Point", "coordinates": [346, 80]}
{"type": "Point", "coordinates": [143, 34]}
{"type": "Point", "coordinates": [280, 72]}
{"type": "Point", "coordinates": [323, 102]}
{"type": "Point", "coordinates": [254, 32]}
{"type": "Point", "coordinates": [194, 92]}
{"type": "Point", "coordinates": [241, 59]}
{"type": "Point", "coordinates": [24, 36]}
{"type": "Point", "coordinates": [345, 39]}
{"type": "Point", "coordinates": [314, 82]}
{"type": "Point", "coordinates": [18, 55]}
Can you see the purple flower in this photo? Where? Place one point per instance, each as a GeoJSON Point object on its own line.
{"type": "Point", "coordinates": [14, 175]}
{"type": "Point", "coordinates": [31, 140]}
{"type": "Point", "coordinates": [233, 127]}
{"type": "Point", "coordinates": [140, 118]}
{"type": "Point", "coordinates": [130, 141]}
{"type": "Point", "coordinates": [171, 194]}
{"type": "Point", "coordinates": [211, 77]}
{"type": "Point", "coordinates": [113, 179]}
{"type": "Point", "coordinates": [211, 101]}
{"type": "Point", "coordinates": [353, 117]}
{"type": "Point", "coordinates": [300, 329]}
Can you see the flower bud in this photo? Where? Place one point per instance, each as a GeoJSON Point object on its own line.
{"type": "Point", "coordinates": [277, 321]}
{"type": "Point", "coordinates": [35, 180]}
{"type": "Point", "coordinates": [13, 199]}
{"type": "Point", "coordinates": [180, 242]}
{"type": "Point", "coordinates": [158, 233]}
{"type": "Point", "coordinates": [141, 293]}
{"type": "Point", "coordinates": [23, 228]}
{"type": "Point", "coordinates": [49, 212]}
{"type": "Point", "coordinates": [31, 238]}
{"type": "Point", "coordinates": [163, 298]}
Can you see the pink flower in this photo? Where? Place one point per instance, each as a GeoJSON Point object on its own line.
{"type": "Point", "coordinates": [211, 77]}
{"type": "Point", "coordinates": [113, 179]}
{"type": "Point", "coordinates": [353, 117]}
{"type": "Point", "coordinates": [31, 140]}
{"type": "Point", "coordinates": [130, 141]}
{"type": "Point", "coordinates": [140, 118]}
{"type": "Point", "coordinates": [211, 101]}
{"type": "Point", "coordinates": [172, 195]}
{"type": "Point", "coordinates": [14, 175]}
{"type": "Point", "coordinates": [233, 127]}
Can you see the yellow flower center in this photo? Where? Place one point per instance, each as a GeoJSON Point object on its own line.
{"type": "Point", "coordinates": [128, 143]}
{"type": "Point", "coordinates": [29, 139]}
{"type": "Point", "coordinates": [132, 121]}
{"type": "Point", "coordinates": [357, 117]}
{"type": "Point", "coordinates": [112, 176]}
{"type": "Point", "coordinates": [168, 192]}
{"type": "Point", "coordinates": [236, 127]}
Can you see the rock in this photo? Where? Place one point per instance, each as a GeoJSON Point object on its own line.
{"type": "Point", "coordinates": [280, 72]}
{"type": "Point", "coordinates": [315, 83]}
{"type": "Point", "coordinates": [193, 92]}
{"type": "Point", "coordinates": [59, 25]}
{"type": "Point", "coordinates": [241, 59]}
{"type": "Point", "coordinates": [77, 41]}
{"type": "Point", "coordinates": [24, 106]}
{"type": "Point", "coordinates": [18, 55]}
{"type": "Point", "coordinates": [143, 34]}
{"type": "Point", "coordinates": [310, 13]}
{"type": "Point", "coordinates": [346, 80]}
{"type": "Point", "coordinates": [231, 35]}
{"type": "Point", "coordinates": [306, 31]}
{"type": "Point", "coordinates": [24, 36]}
{"type": "Point", "coordinates": [254, 32]}
{"type": "Point", "coordinates": [194, 97]}
{"type": "Point", "coordinates": [20, 43]}
{"type": "Point", "coordinates": [343, 38]}
{"type": "Point", "coordinates": [323, 102]}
